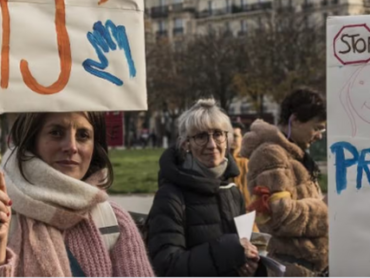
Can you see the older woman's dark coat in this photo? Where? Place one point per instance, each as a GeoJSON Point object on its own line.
{"type": "Point", "coordinates": [191, 230]}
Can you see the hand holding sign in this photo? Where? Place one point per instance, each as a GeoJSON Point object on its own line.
{"type": "Point", "coordinates": [5, 216]}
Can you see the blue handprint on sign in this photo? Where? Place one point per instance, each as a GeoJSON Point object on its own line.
{"type": "Point", "coordinates": [102, 41]}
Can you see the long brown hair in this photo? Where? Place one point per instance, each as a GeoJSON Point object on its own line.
{"type": "Point", "coordinates": [28, 125]}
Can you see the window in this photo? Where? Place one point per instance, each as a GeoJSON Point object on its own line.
{"type": "Point", "coordinates": [178, 26]}
{"type": "Point", "coordinates": [178, 23]}
{"type": "Point", "coordinates": [177, 5]}
{"type": "Point", "coordinates": [211, 7]}
{"type": "Point", "coordinates": [162, 26]}
{"type": "Point", "coordinates": [162, 29]}
{"type": "Point", "coordinates": [307, 3]}
{"type": "Point", "coordinates": [228, 6]}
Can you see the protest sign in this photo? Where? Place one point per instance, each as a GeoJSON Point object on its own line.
{"type": "Point", "coordinates": [72, 55]}
{"type": "Point", "coordinates": [348, 90]}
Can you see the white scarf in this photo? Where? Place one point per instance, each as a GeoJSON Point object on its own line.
{"type": "Point", "coordinates": [53, 197]}
{"type": "Point", "coordinates": [52, 203]}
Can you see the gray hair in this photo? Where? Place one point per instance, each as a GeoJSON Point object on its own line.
{"type": "Point", "coordinates": [202, 116]}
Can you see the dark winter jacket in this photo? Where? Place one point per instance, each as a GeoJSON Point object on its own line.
{"type": "Point", "coordinates": [191, 230]}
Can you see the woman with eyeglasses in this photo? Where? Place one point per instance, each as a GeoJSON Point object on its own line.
{"type": "Point", "coordinates": [191, 230]}
{"type": "Point", "coordinates": [283, 180]}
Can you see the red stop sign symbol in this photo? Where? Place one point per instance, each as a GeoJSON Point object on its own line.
{"type": "Point", "coordinates": [352, 44]}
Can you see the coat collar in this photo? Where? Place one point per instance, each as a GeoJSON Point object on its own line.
{"type": "Point", "coordinates": [172, 172]}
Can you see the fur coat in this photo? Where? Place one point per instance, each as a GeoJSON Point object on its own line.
{"type": "Point", "coordinates": [298, 221]}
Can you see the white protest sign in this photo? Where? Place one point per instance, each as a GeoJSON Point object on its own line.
{"type": "Point", "coordinates": [348, 90]}
{"type": "Point", "coordinates": [72, 55]}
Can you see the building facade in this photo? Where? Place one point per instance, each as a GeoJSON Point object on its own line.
{"type": "Point", "coordinates": [177, 20]}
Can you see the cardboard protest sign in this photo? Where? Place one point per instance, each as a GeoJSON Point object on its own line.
{"type": "Point", "coordinates": [348, 89]}
{"type": "Point", "coordinates": [72, 55]}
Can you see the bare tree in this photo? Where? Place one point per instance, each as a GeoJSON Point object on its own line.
{"type": "Point", "coordinates": [204, 67]}
{"type": "Point", "coordinates": [168, 85]}
{"type": "Point", "coordinates": [214, 61]}
{"type": "Point", "coordinates": [286, 51]}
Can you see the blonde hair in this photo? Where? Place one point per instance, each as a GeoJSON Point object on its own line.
{"type": "Point", "coordinates": [202, 116]}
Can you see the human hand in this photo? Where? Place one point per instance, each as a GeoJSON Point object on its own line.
{"type": "Point", "coordinates": [250, 251]}
{"type": "Point", "coordinates": [249, 269]}
{"type": "Point", "coordinates": [5, 216]}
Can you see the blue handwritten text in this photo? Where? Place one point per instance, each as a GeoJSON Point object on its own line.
{"type": "Point", "coordinates": [342, 163]}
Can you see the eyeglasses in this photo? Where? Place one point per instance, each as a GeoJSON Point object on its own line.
{"type": "Point", "coordinates": [202, 138]}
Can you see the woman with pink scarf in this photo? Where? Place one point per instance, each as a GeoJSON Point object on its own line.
{"type": "Point", "coordinates": [53, 178]}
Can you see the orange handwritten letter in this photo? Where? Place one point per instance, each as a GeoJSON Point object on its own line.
{"type": "Point", "coordinates": [5, 44]}
{"type": "Point", "coordinates": [64, 49]}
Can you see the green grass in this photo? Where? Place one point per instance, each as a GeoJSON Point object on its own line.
{"type": "Point", "coordinates": [135, 171]}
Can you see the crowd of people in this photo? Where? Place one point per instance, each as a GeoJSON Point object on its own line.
{"type": "Point", "coordinates": [55, 219]}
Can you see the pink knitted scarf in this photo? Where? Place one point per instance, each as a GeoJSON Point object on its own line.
{"type": "Point", "coordinates": [46, 208]}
